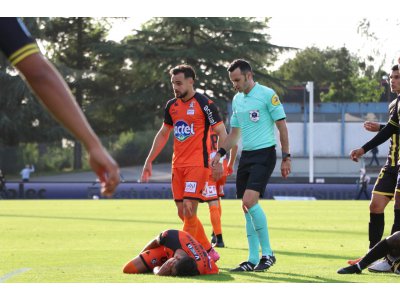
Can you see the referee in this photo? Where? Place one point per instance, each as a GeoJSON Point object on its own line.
{"type": "Point", "coordinates": [256, 109]}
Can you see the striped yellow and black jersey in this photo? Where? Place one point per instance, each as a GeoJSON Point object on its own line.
{"type": "Point", "coordinates": [15, 40]}
{"type": "Point", "coordinates": [393, 155]}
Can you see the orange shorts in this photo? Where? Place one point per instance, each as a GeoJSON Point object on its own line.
{"type": "Point", "coordinates": [154, 257]}
{"type": "Point", "coordinates": [188, 182]}
{"type": "Point", "coordinates": [210, 190]}
{"type": "Point", "coordinates": [213, 190]}
{"type": "Point", "coordinates": [220, 186]}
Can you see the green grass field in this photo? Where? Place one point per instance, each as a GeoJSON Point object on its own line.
{"type": "Point", "coordinates": [86, 241]}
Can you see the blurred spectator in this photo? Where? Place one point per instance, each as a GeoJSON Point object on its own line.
{"type": "Point", "coordinates": [26, 172]}
{"type": "Point", "coordinates": [374, 157]}
{"type": "Point", "coordinates": [363, 184]}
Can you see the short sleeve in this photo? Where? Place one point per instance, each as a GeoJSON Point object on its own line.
{"type": "Point", "coordinates": [275, 107]}
{"type": "Point", "coordinates": [15, 40]}
{"type": "Point", "coordinates": [234, 119]}
{"type": "Point", "coordinates": [167, 116]}
{"type": "Point", "coordinates": [212, 114]}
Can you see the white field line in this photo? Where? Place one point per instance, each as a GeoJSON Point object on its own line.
{"type": "Point", "coordinates": [13, 273]}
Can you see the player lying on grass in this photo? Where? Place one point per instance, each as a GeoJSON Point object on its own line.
{"type": "Point", "coordinates": [389, 246]}
{"type": "Point", "coordinates": [172, 253]}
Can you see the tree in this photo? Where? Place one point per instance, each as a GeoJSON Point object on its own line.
{"type": "Point", "coordinates": [209, 44]}
{"type": "Point", "coordinates": [79, 48]}
{"type": "Point", "coordinates": [337, 74]}
{"type": "Point", "coordinates": [22, 118]}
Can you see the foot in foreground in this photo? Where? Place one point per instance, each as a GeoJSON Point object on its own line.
{"type": "Point", "coordinates": [265, 263]}
{"type": "Point", "coordinates": [245, 266]}
{"type": "Point", "coordinates": [354, 269]}
{"type": "Point", "coordinates": [352, 262]}
{"type": "Point", "coordinates": [381, 266]}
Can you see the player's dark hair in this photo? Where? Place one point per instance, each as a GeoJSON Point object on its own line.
{"type": "Point", "coordinates": [187, 70]}
{"type": "Point", "coordinates": [395, 68]}
{"type": "Point", "coordinates": [242, 64]}
{"type": "Point", "coordinates": [186, 267]}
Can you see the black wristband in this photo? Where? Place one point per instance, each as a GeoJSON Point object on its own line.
{"type": "Point", "coordinates": [285, 155]}
{"type": "Point", "coordinates": [221, 151]}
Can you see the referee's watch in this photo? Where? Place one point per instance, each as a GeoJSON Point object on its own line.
{"type": "Point", "coordinates": [285, 156]}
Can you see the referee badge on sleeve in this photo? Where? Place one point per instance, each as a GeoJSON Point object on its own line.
{"type": "Point", "coordinates": [254, 115]}
{"type": "Point", "coordinates": [275, 100]}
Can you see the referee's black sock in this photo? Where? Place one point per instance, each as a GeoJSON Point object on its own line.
{"type": "Point", "coordinates": [379, 251]}
{"type": "Point", "coordinates": [376, 228]}
{"type": "Point", "coordinates": [396, 222]}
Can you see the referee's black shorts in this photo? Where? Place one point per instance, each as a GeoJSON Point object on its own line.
{"type": "Point", "coordinates": [255, 169]}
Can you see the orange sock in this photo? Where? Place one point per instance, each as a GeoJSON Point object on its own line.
{"type": "Point", "coordinates": [215, 218]}
{"type": "Point", "coordinates": [201, 236]}
{"type": "Point", "coordinates": [190, 225]}
{"type": "Point", "coordinates": [219, 208]}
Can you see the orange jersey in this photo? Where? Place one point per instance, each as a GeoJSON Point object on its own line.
{"type": "Point", "coordinates": [177, 239]}
{"type": "Point", "coordinates": [191, 121]}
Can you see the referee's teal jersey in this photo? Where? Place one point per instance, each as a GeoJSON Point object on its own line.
{"type": "Point", "coordinates": [255, 114]}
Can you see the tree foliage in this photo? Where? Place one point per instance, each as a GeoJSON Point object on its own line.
{"type": "Point", "coordinates": [338, 75]}
{"type": "Point", "coordinates": [90, 65]}
{"type": "Point", "coordinates": [123, 86]}
{"type": "Point", "coordinates": [208, 44]}
{"type": "Point", "coordinates": [22, 118]}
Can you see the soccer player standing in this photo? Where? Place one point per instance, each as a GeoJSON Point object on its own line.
{"type": "Point", "coordinates": [256, 109]}
{"type": "Point", "coordinates": [214, 190]}
{"type": "Point", "coordinates": [190, 115]}
{"type": "Point", "coordinates": [48, 85]}
{"type": "Point", "coordinates": [385, 185]}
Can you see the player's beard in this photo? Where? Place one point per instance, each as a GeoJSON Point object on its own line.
{"type": "Point", "coordinates": [181, 95]}
{"type": "Point", "coordinates": [244, 86]}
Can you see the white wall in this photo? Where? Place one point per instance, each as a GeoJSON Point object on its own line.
{"type": "Point", "coordinates": [327, 139]}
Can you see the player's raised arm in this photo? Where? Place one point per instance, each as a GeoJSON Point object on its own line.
{"type": "Point", "coordinates": [51, 89]}
{"type": "Point", "coordinates": [47, 83]}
